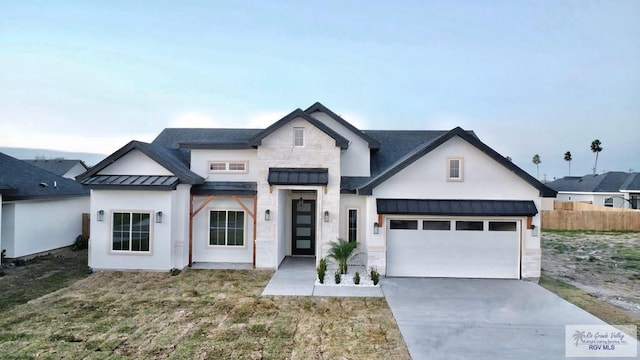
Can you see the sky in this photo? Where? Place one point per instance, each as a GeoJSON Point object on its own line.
{"type": "Point", "coordinates": [529, 77]}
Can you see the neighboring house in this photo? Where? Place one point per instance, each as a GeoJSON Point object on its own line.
{"type": "Point", "coordinates": [612, 189]}
{"type": "Point", "coordinates": [65, 168]}
{"type": "Point", "coordinates": [419, 203]}
{"type": "Point", "coordinates": [40, 211]}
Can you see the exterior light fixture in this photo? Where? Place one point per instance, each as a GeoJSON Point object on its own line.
{"type": "Point", "coordinates": [534, 230]}
{"type": "Point", "coordinates": [159, 217]}
{"type": "Point", "coordinates": [267, 215]}
{"type": "Point", "coordinates": [100, 215]}
{"type": "Point", "coordinates": [326, 216]}
{"type": "Point", "coordinates": [376, 228]}
{"type": "Point", "coordinates": [300, 202]}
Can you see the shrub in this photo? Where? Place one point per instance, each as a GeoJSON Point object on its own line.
{"type": "Point", "coordinates": [375, 276]}
{"type": "Point", "coordinates": [322, 270]}
{"type": "Point", "coordinates": [342, 251]}
{"type": "Point", "coordinates": [338, 277]}
{"type": "Point", "coordinates": [82, 242]}
{"type": "Point", "coordinates": [356, 278]}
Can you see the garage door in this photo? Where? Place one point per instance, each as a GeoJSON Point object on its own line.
{"type": "Point", "coordinates": [465, 248]}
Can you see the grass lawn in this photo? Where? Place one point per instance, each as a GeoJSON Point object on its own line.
{"type": "Point", "coordinates": [198, 314]}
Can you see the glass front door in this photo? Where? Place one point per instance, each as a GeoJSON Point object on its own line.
{"type": "Point", "coordinates": [304, 227]}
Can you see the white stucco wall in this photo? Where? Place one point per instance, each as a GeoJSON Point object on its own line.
{"type": "Point", "coordinates": [354, 160]}
{"type": "Point", "coordinates": [76, 170]}
{"type": "Point", "coordinates": [277, 150]}
{"type": "Point", "coordinates": [180, 225]}
{"type": "Point", "coordinates": [135, 162]}
{"type": "Point", "coordinates": [34, 226]}
{"type": "Point", "coordinates": [160, 257]}
{"type": "Point", "coordinates": [200, 164]}
{"type": "Point", "coordinates": [202, 251]}
{"type": "Point", "coordinates": [483, 178]}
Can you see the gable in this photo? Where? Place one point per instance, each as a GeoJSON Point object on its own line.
{"type": "Point", "coordinates": [135, 162]}
{"type": "Point", "coordinates": [483, 177]}
{"type": "Point", "coordinates": [315, 139]}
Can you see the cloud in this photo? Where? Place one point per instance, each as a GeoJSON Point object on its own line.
{"type": "Point", "coordinates": [74, 143]}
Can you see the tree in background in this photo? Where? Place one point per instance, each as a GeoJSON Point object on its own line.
{"type": "Point", "coordinates": [508, 158]}
{"type": "Point", "coordinates": [536, 160]}
{"type": "Point", "coordinates": [567, 158]}
{"type": "Point", "coordinates": [596, 147]}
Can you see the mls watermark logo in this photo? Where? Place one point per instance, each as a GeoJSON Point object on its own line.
{"type": "Point", "coordinates": [601, 341]}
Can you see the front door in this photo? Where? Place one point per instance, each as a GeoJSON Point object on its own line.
{"type": "Point", "coordinates": [304, 227]}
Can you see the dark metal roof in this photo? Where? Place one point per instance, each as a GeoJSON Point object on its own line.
{"type": "Point", "coordinates": [225, 188]}
{"type": "Point", "coordinates": [22, 181]}
{"type": "Point", "coordinates": [56, 166]}
{"type": "Point", "coordinates": [173, 160]}
{"type": "Point", "coordinates": [428, 146]}
{"type": "Point", "coordinates": [350, 184]}
{"type": "Point", "coordinates": [456, 207]}
{"type": "Point", "coordinates": [298, 113]}
{"type": "Point", "coordinates": [131, 182]}
{"type": "Point", "coordinates": [612, 181]}
{"type": "Point", "coordinates": [298, 176]}
{"type": "Point", "coordinates": [216, 145]}
{"type": "Point", "coordinates": [373, 144]}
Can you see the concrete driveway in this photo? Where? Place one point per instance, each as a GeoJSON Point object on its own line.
{"type": "Point", "coordinates": [481, 319]}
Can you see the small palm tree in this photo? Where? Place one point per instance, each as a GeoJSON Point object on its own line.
{"type": "Point", "coordinates": [567, 158]}
{"type": "Point", "coordinates": [536, 160]}
{"type": "Point", "coordinates": [596, 147]}
{"type": "Point", "coordinates": [342, 251]}
{"type": "Point", "coordinates": [579, 336]}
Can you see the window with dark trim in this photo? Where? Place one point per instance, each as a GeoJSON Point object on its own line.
{"type": "Point", "coordinates": [228, 166]}
{"type": "Point", "coordinates": [226, 228]}
{"type": "Point", "coordinates": [608, 202]}
{"type": "Point", "coordinates": [352, 225]}
{"type": "Point", "coordinates": [502, 226]}
{"type": "Point", "coordinates": [131, 232]}
{"type": "Point", "coordinates": [469, 225]}
{"type": "Point", "coordinates": [403, 224]}
{"type": "Point", "coordinates": [436, 225]}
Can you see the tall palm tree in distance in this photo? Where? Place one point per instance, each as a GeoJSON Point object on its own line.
{"type": "Point", "coordinates": [596, 147]}
{"type": "Point", "coordinates": [567, 158]}
{"type": "Point", "coordinates": [536, 160]}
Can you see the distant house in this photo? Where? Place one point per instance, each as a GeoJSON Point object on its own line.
{"type": "Point", "coordinates": [65, 168]}
{"type": "Point", "coordinates": [40, 211]}
{"type": "Point", "coordinates": [436, 203]}
{"type": "Point", "coordinates": [612, 189]}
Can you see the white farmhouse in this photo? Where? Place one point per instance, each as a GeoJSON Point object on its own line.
{"type": "Point", "coordinates": [418, 203]}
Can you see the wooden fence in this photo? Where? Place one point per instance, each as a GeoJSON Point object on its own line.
{"type": "Point", "coordinates": [590, 217]}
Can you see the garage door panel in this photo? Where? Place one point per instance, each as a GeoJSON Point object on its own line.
{"type": "Point", "coordinates": [469, 254]}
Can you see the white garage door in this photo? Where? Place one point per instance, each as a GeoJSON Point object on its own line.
{"type": "Point", "coordinates": [465, 248]}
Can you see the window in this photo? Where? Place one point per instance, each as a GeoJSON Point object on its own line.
{"type": "Point", "coordinates": [436, 225]}
{"type": "Point", "coordinates": [454, 169]}
{"type": "Point", "coordinates": [131, 232]}
{"type": "Point", "coordinates": [635, 201]}
{"type": "Point", "coordinates": [298, 136]}
{"type": "Point", "coordinates": [352, 226]}
{"type": "Point", "coordinates": [469, 225]}
{"type": "Point", "coordinates": [228, 166]}
{"type": "Point", "coordinates": [502, 226]}
{"type": "Point", "coordinates": [608, 202]}
{"type": "Point", "coordinates": [403, 224]}
{"type": "Point", "coordinates": [226, 228]}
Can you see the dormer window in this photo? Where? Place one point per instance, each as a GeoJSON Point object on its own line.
{"type": "Point", "coordinates": [298, 136]}
{"type": "Point", "coordinates": [454, 169]}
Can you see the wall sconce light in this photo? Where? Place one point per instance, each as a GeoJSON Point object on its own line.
{"type": "Point", "coordinates": [301, 202]}
{"type": "Point", "coordinates": [326, 216]}
{"type": "Point", "coordinates": [100, 215]}
{"type": "Point", "coordinates": [534, 230]}
{"type": "Point", "coordinates": [267, 215]}
{"type": "Point", "coordinates": [376, 228]}
{"type": "Point", "coordinates": [159, 217]}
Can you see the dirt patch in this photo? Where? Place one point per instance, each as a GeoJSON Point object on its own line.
{"type": "Point", "coordinates": [197, 314]}
{"type": "Point", "coordinates": [606, 265]}
{"type": "Point", "coordinates": [41, 275]}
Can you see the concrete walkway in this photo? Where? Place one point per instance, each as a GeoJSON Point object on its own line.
{"type": "Point", "coordinates": [296, 276]}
